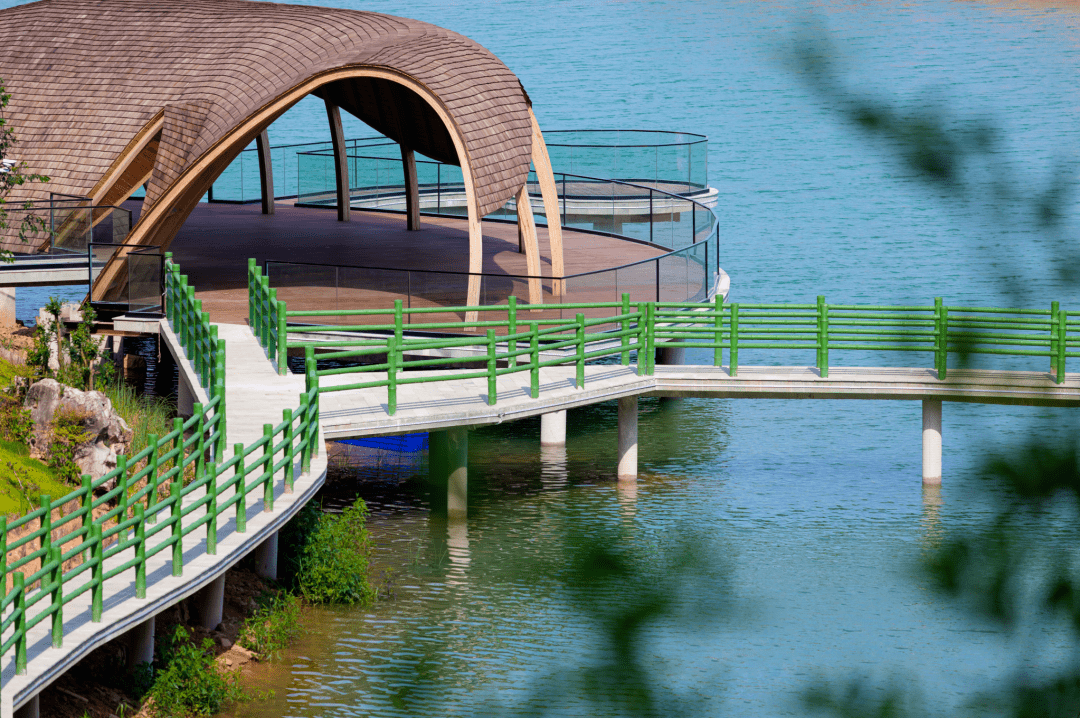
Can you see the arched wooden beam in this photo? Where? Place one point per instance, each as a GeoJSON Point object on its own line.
{"type": "Point", "coordinates": [176, 203]}
{"type": "Point", "coordinates": [542, 165]}
{"type": "Point", "coordinates": [341, 162]}
{"type": "Point", "coordinates": [412, 189]}
{"type": "Point", "coordinates": [527, 232]}
{"type": "Point", "coordinates": [266, 172]}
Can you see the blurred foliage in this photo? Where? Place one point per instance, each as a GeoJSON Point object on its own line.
{"type": "Point", "coordinates": [993, 568]}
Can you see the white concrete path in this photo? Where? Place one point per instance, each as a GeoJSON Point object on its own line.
{"type": "Point", "coordinates": [254, 395]}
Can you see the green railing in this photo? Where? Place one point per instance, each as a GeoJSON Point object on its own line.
{"type": "Point", "coordinates": [511, 342]}
{"type": "Point", "coordinates": [180, 483]}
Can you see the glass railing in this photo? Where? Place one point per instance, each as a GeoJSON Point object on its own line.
{"type": "Point", "coordinates": [67, 226]}
{"type": "Point", "coordinates": [139, 288]}
{"type": "Point", "coordinates": [670, 161]}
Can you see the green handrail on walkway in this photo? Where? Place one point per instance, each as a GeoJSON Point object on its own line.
{"type": "Point", "coordinates": [616, 329]}
{"type": "Point", "coordinates": [144, 513]}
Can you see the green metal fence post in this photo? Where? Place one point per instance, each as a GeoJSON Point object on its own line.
{"type": "Point", "coordinates": [239, 475]}
{"type": "Point", "coordinates": [941, 338]}
{"type": "Point", "coordinates": [625, 309]}
{"type": "Point", "coordinates": [733, 351]}
{"type": "Point", "coordinates": [211, 508]}
{"type": "Point", "coordinates": [97, 573]}
{"type": "Point", "coordinates": [391, 376]}
{"type": "Point", "coordinates": [580, 346]}
{"type": "Point", "coordinates": [650, 350]}
{"type": "Point", "coordinates": [823, 336]}
{"type": "Point", "coordinates": [1062, 344]}
{"type": "Point", "coordinates": [491, 368]}
{"type": "Point", "coordinates": [177, 449]}
{"type": "Point", "coordinates": [718, 330]}
{"type": "Point", "coordinates": [3, 555]}
{"type": "Point", "coordinates": [20, 623]}
{"type": "Point", "coordinates": [642, 339]}
{"type": "Point", "coordinates": [122, 483]}
{"type": "Point", "coordinates": [1054, 309]}
{"type": "Point", "coordinates": [534, 360]}
{"type": "Point", "coordinates": [290, 450]}
{"type": "Point", "coordinates": [305, 447]}
{"type": "Point", "coordinates": [398, 322]}
{"type": "Point", "coordinates": [267, 299]}
{"type": "Point", "coordinates": [312, 383]}
{"type": "Point", "coordinates": [268, 468]}
{"type": "Point", "coordinates": [252, 267]}
{"type": "Point", "coordinates": [511, 330]}
{"type": "Point", "coordinates": [177, 530]}
{"type": "Point", "coordinates": [140, 552]}
{"type": "Point", "coordinates": [282, 339]}
{"type": "Point", "coordinates": [57, 579]}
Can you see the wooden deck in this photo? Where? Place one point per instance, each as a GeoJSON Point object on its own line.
{"type": "Point", "coordinates": [215, 243]}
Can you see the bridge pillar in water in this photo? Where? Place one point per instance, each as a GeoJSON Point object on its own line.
{"type": "Point", "coordinates": [207, 604]}
{"type": "Point", "coordinates": [628, 439]}
{"type": "Point", "coordinates": [931, 442]}
{"type": "Point", "coordinates": [266, 558]}
{"type": "Point", "coordinates": [553, 428]}
{"type": "Point", "coordinates": [448, 461]}
{"type": "Point", "coordinates": [141, 644]}
{"type": "Point", "coordinates": [30, 709]}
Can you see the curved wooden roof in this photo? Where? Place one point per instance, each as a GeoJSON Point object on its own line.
{"type": "Point", "coordinates": [91, 80]}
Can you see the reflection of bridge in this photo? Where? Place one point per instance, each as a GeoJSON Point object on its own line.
{"type": "Point", "coordinates": [104, 564]}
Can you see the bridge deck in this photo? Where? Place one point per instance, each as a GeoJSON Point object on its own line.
{"type": "Point", "coordinates": [254, 394]}
{"type": "Point", "coordinates": [435, 405]}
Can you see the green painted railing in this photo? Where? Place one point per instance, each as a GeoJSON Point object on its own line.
{"type": "Point", "coordinates": [510, 342]}
{"type": "Point", "coordinates": [180, 483]}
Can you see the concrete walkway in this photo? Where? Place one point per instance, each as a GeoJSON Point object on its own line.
{"type": "Point", "coordinates": [437, 405]}
{"type": "Point", "coordinates": [255, 395]}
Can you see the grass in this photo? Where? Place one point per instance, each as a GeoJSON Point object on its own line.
{"type": "Point", "coordinates": [23, 480]}
{"type": "Point", "coordinates": [146, 415]}
{"type": "Point", "coordinates": [274, 624]}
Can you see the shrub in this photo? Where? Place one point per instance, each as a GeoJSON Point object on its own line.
{"type": "Point", "coordinates": [333, 563]}
{"type": "Point", "coordinates": [275, 623]}
{"type": "Point", "coordinates": [15, 421]}
{"type": "Point", "coordinates": [67, 433]}
{"type": "Point", "coordinates": [191, 684]}
{"type": "Point", "coordinates": [145, 415]}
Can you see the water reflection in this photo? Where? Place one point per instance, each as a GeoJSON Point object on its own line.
{"type": "Point", "coordinates": [553, 467]}
{"type": "Point", "coordinates": [932, 530]}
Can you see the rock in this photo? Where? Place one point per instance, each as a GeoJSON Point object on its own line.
{"type": "Point", "coordinates": [226, 643]}
{"type": "Point", "coordinates": [107, 431]}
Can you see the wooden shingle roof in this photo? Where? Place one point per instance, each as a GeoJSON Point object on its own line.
{"type": "Point", "coordinates": [86, 76]}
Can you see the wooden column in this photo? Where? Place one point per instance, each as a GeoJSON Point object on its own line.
{"type": "Point", "coordinates": [527, 233]}
{"type": "Point", "coordinates": [266, 172]}
{"type": "Point", "coordinates": [412, 188]}
{"type": "Point", "coordinates": [341, 161]}
{"type": "Point", "coordinates": [542, 165]}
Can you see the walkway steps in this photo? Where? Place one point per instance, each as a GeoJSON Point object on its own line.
{"type": "Point", "coordinates": [436, 405]}
{"type": "Point", "coordinates": [255, 395]}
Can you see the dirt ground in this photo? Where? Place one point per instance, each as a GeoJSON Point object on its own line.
{"type": "Point", "coordinates": [98, 685]}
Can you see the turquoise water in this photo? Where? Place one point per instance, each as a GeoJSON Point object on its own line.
{"type": "Point", "coordinates": [812, 512]}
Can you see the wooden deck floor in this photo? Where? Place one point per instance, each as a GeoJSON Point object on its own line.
{"type": "Point", "coordinates": [215, 243]}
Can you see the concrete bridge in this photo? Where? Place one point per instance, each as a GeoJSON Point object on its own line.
{"type": "Point", "coordinates": [432, 400]}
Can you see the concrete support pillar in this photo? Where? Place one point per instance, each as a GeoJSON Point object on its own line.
{"type": "Point", "coordinates": [185, 396]}
{"type": "Point", "coordinates": [341, 162]}
{"type": "Point", "coordinates": [628, 440]}
{"type": "Point", "coordinates": [207, 604]}
{"type": "Point", "coordinates": [266, 172]}
{"type": "Point", "coordinates": [412, 189]}
{"type": "Point", "coordinates": [931, 442]}
{"type": "Point", "coordinates": [449, 459]}
{"type": "Point", "coordinates": [266, 558]}
{"type": "Point", "coordinates": [7, 306]}
{"type": "Point", "coordinates": [30, 709]}
{"type": "Point", "coordinates": [553, 428]}
{"type": "Point", "coordinates": [141, 644]}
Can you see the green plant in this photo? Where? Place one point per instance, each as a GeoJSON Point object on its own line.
{"type": "Point", "coordinates": [82, 351]}
{"type": "Point", "coordinates": [68, 432]}
{"type": "Point", "coordinates": [145, 415]}
{"type": "Point", "coordinates": [275, 623]}
{"type": "Point", "coordinates": [333, 563]}
{"type": "Point", "coordinates": [37, 356]}
{"type": "Point", "coordinates": [190, 684]}
{"type": "Point", "coordinates": [15, 421]}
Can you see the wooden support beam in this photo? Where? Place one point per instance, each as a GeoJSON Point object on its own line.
{"type": "Point", "coordinates": [341, 162]}
{"type": "Point", "coordinates": [266, 172]}
{"type": "Point", "coordinates": [412, 188]}
{"type": "Point", "coordinates": [527, 235]}
{"type": "Point", "coordinates": [542, 165]}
